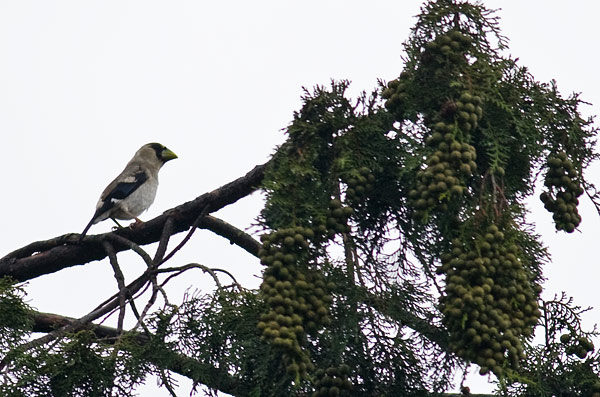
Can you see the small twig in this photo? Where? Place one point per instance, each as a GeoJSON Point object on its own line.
{"type": "Point", "coordinates": [593, 197]}
{"type": "Point", "coordinates": [155, 289]}
{"type": "Point", "coordinates": [101, 310]}
{"type": "Point", "coordinates": [112, 256]}
{"type": "Point", "coordinates": [151, 267]}
{"type": "Point", "coordinates": [187, 236]}
{"type": "Point", "coordinates": [235, 282]}
{"type": "Point", "coordinates": [189, 266]}
{"type": "Point", "coordinates": [158, 257]}
{"type": "Point", "coordinates": [167, 231]}
{"type": "Point", "coordinates": [164, 294]}
{"type": "Point", "coordinates": [133, 246]}
{"type": "Point", "coordinates": [140, 322]}
{"type": "Point", "coordinates": [136, 248]}
{"type": "Point", "coordinates": [166, 383]}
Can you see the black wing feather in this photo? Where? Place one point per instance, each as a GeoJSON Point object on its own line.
{"type": "Point", "coordinates": [124, 189]}
{"type": "Point", "coordinates": [120, 191]}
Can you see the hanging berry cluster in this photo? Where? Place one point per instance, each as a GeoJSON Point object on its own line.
{"type": "Point", "coordinates": [489, 301]}
{"type": "Point", "coordinates": [332, 382]}
{"type": "Point", "coordinates": [450, 164]}
{"type": "Point", "coordinates": [468, 111]}
{"type": "Point", "coordinates": [360, 184]}
{"type": "Point", "coordinates": [445, 52]}
{"type": "Point", "coordinates": [298, 297]}
{"type": "Point", "coordinates": [579, 346]}
{"type": "Point", "coordinates": [451, 158]}
{"type": "Point", "coordinates": [396, 96]}
{"type": "Point", "coordinates": [450, 46]}
{"type": "Point", "coordinates": [337, 219]}
{"type": "Point", "coordinates": [563, 191]}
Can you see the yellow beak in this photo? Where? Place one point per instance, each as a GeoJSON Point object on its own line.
{"type": "Point", "coordinates": [167, 155]}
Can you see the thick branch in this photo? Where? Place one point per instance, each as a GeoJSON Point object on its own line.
{"type": "Point", "coordinates": [48, 322]}
{"type": "Point", "coordinates": [230, 232]}
{"type": "Point", "coordinates": [50, 256]}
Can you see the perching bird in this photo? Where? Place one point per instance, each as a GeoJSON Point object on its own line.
{"type": "Point", "coordinates": [133, 191]}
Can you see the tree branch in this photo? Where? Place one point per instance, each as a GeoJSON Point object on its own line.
{"type": "Point", "coordinates": [232, 233]}
{"type": "Point", "coordinates": [44, 257]}
{"type": "Point", "coordinates": [120, 282]}
{"type": "Point", "coordinates": [201, 373]}
{"type": "Point", "coordinates": [176, 362]}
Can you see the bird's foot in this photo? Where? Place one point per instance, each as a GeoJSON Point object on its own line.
{"type": "Point", "coordinates": [138, 222]}
{"type": "Point", "coordinates": [118, 225]}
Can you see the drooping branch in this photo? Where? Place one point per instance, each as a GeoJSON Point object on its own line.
{"type": "Point", "coordinates": [201, 373]}
{"type": "Point", "coordinates": [44, 257]}
{"type": "Point", "coordinates": [72, 326]}
{"type": "Point", "coordinates": [206, 374]}
{"type": "Point", "coordinates": [120, 282]}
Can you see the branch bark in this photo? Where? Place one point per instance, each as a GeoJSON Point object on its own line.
{"type": "Point", "coordinates": [232, 233]}
{"type": "Point", "coordinates": [44, 257]}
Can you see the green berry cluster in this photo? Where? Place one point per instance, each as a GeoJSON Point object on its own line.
{"type": "Point", "coordinates": [395, 95]}
{"type": "Point", "coordinates": [332, 382]}
{"type": "Point", "coordinates": [489, 301]}
{"type": "Point", "coordinates": [468, 111]}
{"type": "Point", "coordinates": [447, 168]}
{"type": "Point", "coordinates": [579, 346]}
{"type": "Point", "coordinates": [563, 191]}
{"type": "Point", "coordinates": [360, 184]}
{"type": "Point", "coordinates": [297, 297]}
{"type": "Point", "coordinates": [337, 219]}
{"type": "Point", "coordinates": [451, 45]}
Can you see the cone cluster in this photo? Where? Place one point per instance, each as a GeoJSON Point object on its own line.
{"type": "Point", "coordinates": [297, 297]}
{"type": "Point", "coordinates": [563, 191]}
{"type": "Point", "coordinates": [332, 382]}
{"type": "Point", "coordinates": [396, 95]}
{"type": "Point", "coordinates": [360, 183]}
{"type": "Point", "coordinates": [450, 164]}
{"type": "Point", "coordinates": [579, 346]}
{"type": "Point", "coordinates": [468, 111]}
{"type": "Point", "coordinates": [449, 46]}
{"type": "Point", "coordinates": [337, 218]}
{"type": "Point", "coordinates": [489, 302]}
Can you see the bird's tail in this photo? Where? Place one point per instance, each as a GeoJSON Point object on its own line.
{"type": "Point", "coordinates": [86, 229]}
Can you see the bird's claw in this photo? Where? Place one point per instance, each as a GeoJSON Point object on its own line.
{"type": "Point", "coordinates": [136, 224]}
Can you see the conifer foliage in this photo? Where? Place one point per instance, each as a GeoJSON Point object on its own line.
{"type": "Point", "coordinates": [393, 243]}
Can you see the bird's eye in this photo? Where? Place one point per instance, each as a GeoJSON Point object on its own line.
{"type": "Point", "coordinates": [158, 148]}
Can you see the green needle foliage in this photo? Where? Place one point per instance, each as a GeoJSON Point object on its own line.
{"type": "Point", "coordinates": [394, 244]}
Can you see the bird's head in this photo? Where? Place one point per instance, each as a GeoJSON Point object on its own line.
{"type": "Point", "coordinates": [155, 152]}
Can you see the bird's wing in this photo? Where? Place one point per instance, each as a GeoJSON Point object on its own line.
{"type": "Point", "coordinates": [120, 189]}
{"type": "Point", "coordinates": [117, 190]}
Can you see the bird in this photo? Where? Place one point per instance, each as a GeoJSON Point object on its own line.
{"type": "Point", "coordinates": [134, 189]}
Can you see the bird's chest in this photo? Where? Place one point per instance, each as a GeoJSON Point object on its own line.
{"type": "Point", "coordinates": [137, 202]}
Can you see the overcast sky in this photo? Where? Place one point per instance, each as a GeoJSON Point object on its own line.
{"type": "Point", "coordinates": [84, 84]}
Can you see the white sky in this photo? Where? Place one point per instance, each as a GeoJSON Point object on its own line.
{"type": "Point", "coordinates": [85, 84]}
